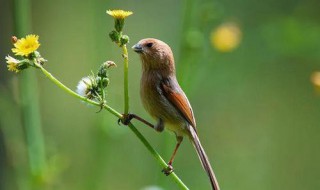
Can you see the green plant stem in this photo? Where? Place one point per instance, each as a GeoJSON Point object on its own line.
{"type": "Point", "coordinates": [154, 153]}
{"type": "Point", "coordinates": [30, 102]}
{"type": "Point", "coordinates": [126, 80]}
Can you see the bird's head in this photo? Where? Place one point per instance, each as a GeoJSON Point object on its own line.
{"type": "Point", "coordinates": [155, 54]}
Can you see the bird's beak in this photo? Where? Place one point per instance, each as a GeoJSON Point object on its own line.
{"type": "Point", "coordinates": [137, 48]}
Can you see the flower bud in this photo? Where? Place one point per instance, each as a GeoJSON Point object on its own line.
{"type": "Point", "coordinates": [23, 65]}
{"type": "Point", "coordinates": [105, 82]}
{"type": "Point", "coordinates": [114, 36]}
{"type": "Point", "coordinates": [103, 70]}
{"type": "Point", "coordinates": [118, 24]}
{"type": "Point", "coordinates": [124, 40]}
{"type": "Point", "coordinates": [14, 39]}
{"type": "Point", "coordinates": [102, 82]}
{"type": "Point", "coordinates": [110, 64]}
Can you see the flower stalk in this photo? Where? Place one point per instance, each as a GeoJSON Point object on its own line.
{"type": "Point", "coordinates": [121, 40]}
{"type": "Point", "coordinates": [126, 79]}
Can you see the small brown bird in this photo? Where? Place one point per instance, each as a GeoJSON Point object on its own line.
{"type": "Point", "coordinates": [164, 99]}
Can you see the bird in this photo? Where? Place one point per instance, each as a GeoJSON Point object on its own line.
{"type": "Point", "coordinates": [165, 101]}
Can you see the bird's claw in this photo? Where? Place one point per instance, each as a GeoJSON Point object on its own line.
{"type": "Point", "coordinates": [126, 118]}
{"type": "Point", "coordinates": [168, 170]}
{"type": "Point", "coordinates": [101, 106]}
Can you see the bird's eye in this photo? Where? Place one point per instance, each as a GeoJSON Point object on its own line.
{"type": "Point", "coordinates": [149, 45]}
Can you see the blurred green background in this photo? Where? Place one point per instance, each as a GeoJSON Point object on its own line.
{"type": "Point", "coordinates": [245, 66]}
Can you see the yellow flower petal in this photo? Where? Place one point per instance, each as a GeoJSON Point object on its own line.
{"type": "Point", "coordinates": [119, 14]}
{"type": "Point", "coordinates": [26, 46]}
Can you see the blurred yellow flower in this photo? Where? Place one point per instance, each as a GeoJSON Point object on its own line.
{"type": "Point", "coordinates": [315, 79]}
{"type": "Point", "coordinates": [12, 64]}
{"type": "Point", "coordinates": [119, 14]}
{"type": "Point", "coordinates": [25, 46]}
{"type": "Point", "coordinates": [226, 37]}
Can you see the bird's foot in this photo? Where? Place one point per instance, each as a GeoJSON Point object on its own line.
{"type": "Point", "coordinates": [126, 118]}
{"type": "Point", "coordinates": [102, 104]}
{"type": "Point", "coordinates": [168, 170]}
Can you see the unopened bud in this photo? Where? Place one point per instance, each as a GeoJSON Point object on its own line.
{"type": "Point", "coordinates": [110, 64]}
{"type": "Point", "coordinates": [103, 70]}
{"type": "Point", "coordinates": [24, 64]}
{"type": "Point", "coordinates": [105, 82]}
{"type": "Point", "coordinates": [114, 36]}
{"type": "Point", "coordinates": [102, 81]}
{"type": "Point", "coordinates": [14, 39]}
{"type": "Point", "coordinates": [118, 24]}
{"type": "Point", "coordinates": [124, 40]}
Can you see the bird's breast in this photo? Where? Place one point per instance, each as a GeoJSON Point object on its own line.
{"type": "Point", "coordinates": [155, 101]}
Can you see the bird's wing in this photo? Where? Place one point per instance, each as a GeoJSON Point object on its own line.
{"type": "Point", "coordinates": [180, 102]}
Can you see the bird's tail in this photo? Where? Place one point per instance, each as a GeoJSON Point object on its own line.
{"type": "Point", "coordinates": [204, 159]}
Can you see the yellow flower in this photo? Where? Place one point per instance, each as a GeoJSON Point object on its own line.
{"type": "Point", "coordinates": [119, 14]}
{"type": "Point", "coordinates": [12, 64]}
{"type": "Point", "coordinates": [315, 79]}
{"type": "Point", "coordinates": [25, 46]}
{"type": "Point", "coordinates": [226, 37]}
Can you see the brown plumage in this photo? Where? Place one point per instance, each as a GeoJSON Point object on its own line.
{"type": "Point", "coordinates": [164, 99]}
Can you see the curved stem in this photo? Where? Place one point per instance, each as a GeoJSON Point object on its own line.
{"type": "Point", "coordinates": [125, 80]}
{"type": "Point", "coordinates": [154, 153]}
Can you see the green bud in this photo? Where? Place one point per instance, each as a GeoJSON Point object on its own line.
{"type": "Point", "coordinates": [102, 82]}
{"type": "Point", "coordinates": [37, 54]}
{"type": "Point", "coordinates": [24, 64]}
{"type": "Point", "coordinates": [103, 70]}
{"type": "Point", "coordinates": [114, 36]}
{"type": "Point", "coordinates": [105, 82]}
{"type": "Point", "coordinates": [41, 60]}
{"type": "Point", "coordinates": [118, 24]}
{"type": "Point", "coordinates": [38, 58]}
{"type": "Point", "coordinates": [124, 40]}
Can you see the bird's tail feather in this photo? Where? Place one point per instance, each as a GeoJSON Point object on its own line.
{"type": "Point", "coordinates": [204, 159]}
